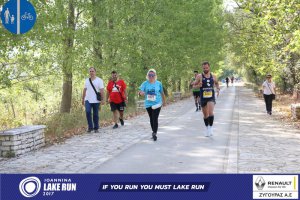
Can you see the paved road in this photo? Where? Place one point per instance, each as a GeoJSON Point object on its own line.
{"type": "Point", "coordinates": [246, 140]}
{"type": "Point", "coordinates": [181, 145]}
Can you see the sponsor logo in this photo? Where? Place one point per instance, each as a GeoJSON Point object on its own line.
{"type": "Point", "coordinates": [275, 186]}
{"type": "Point", "coordinates": [260, 183]}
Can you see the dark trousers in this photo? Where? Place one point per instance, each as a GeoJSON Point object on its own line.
{"type": "Point", "coordinates": [268, 101]}
{"type": "Point", "coordinates": [153, 114]}
{"type": "Point", "coordinates": [93, 124]}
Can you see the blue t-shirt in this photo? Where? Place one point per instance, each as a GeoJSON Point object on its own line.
{"type": "Point", "coordinates": [152, 93]}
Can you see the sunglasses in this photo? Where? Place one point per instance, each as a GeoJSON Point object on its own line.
{"type": "Point", "coordinates": [151, 75]}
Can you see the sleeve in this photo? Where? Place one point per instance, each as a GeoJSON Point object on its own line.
{"type": "Point", "coordinates": [85, 84]}
{"type": "Point", "coordinates": [161, 89]}
{"type": "Point", "coordinates": [264, 84]}
{"type": "Point", "coordinates": [143, 87]}
{"type": "Point", "coordinates": [101, 84]}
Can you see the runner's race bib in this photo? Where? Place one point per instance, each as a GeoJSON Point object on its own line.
{"type": "Point", "coordinates": [207, 93]}
{"type": "Point", "coordinates": [151, 96]}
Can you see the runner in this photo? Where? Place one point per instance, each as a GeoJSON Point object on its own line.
{"type": "Point", "coordinates": [207, 81]}
{"type": "Point", "coordinates": [269, 93]}
{"type": "Point", "coordinates": [117, 97]}
{"type": "Point", "coordinates": [154, 99]}
{"type": "Point", "coordinates": [227, 81]}
{"type": "Point", "coordinates": [196, 92]}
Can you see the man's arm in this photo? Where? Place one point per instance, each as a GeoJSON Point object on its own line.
{"type": "Point", "coordinates": [107, 95]}
{"type": "Point", "coordinates": [102, 95]}
{"type": "Point", "coordinates": [192, 82]}
{"type": "Point", "coordinates": [126, 95]}
{"type": "Point", "coordinates": [198, 81]}
{"type": "Point", "coordinates": [216, 81]}
{"type": "Point", "coordinates": [83, 95]}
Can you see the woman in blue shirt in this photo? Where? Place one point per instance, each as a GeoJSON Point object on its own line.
{"type": "Point", "coordinates": [154, 99]}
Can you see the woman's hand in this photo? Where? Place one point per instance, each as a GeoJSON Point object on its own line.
{"type": "Point", "coordinates": [141, 93]}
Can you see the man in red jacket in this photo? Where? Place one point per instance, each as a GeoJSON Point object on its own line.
{"type": "Point", "coordinates": [117, 96]}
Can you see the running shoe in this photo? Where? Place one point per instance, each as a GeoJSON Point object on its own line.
{"type": "Point", "coordinates": [89, 130]}
{"type": "Point", "coordinates": [210, 130]}
{"type": "Point", "coordinates": [206, 132]}
{"type": "Point", "coordinates": [121, 121]}
{"type": "Point", "coordinates": [115, 126]}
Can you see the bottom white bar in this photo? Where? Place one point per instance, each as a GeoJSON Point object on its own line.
{"type": "Point", "coordinates": [275, 195]}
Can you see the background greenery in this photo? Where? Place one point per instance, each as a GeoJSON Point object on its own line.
{"type": "Point", "coordinates": [42, 72]}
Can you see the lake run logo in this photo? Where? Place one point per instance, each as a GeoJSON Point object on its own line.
{"type": "Point", "coordinates": [31, 186]}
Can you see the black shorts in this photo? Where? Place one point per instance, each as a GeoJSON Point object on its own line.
{"type": "Point", "coordinates": [117, 106]}
{"type": "Point", "coordinates": [204, 102]}
{"type": "Point", "coordinates": [196, 93]}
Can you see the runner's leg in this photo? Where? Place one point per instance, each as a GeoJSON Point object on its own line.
{"type": "Point", "coordinates": [211, 106]}
{"type": "Point", "coordinates": [205, 118]}
{"type": "Point", "coordinates": [122, 117]}
{"type": "Point", "coordinates": [155, 116]}
{"type": "Point", "coordinates": [196, 101]}
{"type": "Point", "coordinates": [115, 113]}
{"type": "Point", "coordinates": [199, 101]}
{"type": "Point", "coordinates": [149, 110]}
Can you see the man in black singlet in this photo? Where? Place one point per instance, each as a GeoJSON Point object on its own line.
{"type": "Point", "coordinates": [207, 81]}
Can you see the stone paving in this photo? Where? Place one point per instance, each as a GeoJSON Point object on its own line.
{"type": "Point", "coordinates": [258, 143]}
{"type": "Point", "coordinates": [82, 153]}
{"type": "Point", "coordinates": [264, 144]}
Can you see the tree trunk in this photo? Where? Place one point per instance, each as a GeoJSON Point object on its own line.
{"type": "Point", "coordinates": [13, 108]}
{"type": "Point", "coordinates": [97, 45]}
{"type": "Point", "coordinates": [66, 100]}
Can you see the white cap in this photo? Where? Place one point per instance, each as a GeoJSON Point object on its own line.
{"type": "Point", "coordinates": [151, 70]}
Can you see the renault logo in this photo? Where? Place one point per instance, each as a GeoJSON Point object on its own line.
{"type": "Point", "coordinates": [260, 183]}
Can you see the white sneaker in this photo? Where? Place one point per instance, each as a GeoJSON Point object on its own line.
{"type": "Point", "coordinates": [206, 132]}
{"type": "Point", "coordinates": [210, 130]}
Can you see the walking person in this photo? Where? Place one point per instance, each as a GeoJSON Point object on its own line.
{"type": "Point", "coordinates": [207, 81]}
{"type": "Point", "coordinates": [196, 92]}
{"type": "Point", "coordinates": [153, 91]}
{"type": "Point", "coordinates": [93, 94]}
{"type": "Point", "coordinates": [269, 93]}
{"type": "Point", "coordinates": [117, 98]}
{"type": "Point", "coordinates": [6, 16]}
{"type": "Point", "coordinates": [232, 79]}
{"type": "Point", "coordinates": [227, 81]}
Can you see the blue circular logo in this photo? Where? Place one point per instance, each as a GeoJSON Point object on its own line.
{"type": "Point", "coordinates": [18, 16]}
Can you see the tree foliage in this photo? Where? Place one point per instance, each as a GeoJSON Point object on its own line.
{"type": "Point", "coordinates": [264, 38]}
{"type": "Point", "coordinates": [43, 70]}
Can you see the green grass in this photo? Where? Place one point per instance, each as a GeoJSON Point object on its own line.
{"type": "Point", "coordinates": [62, 126]}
